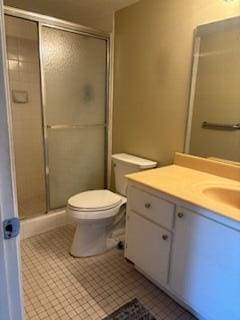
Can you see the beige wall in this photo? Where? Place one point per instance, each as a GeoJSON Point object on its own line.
{"type": "Point", "coordinates": [153, 55]}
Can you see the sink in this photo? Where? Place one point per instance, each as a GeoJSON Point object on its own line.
{"type": "Point", "coordinates": [226, 196]}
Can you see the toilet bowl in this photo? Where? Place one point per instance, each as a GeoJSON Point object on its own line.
{"type": "Point", "coordinates": [95, 213]}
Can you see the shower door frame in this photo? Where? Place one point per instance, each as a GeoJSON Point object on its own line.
{"type": "Point", "coordinates": [55, 23]}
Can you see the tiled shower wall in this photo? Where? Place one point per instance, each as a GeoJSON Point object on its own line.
{"type": "Point", "coordinates": [24, 77]}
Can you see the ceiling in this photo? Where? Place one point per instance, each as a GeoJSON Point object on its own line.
{"type": "Point", "coordinates": [92, 13]}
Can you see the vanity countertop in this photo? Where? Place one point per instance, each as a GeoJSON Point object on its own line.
{"type": "Point", "coordinates": [193, 186]}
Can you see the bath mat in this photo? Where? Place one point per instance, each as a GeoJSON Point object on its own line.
{"type": "Point", "coordinates": [132, 310]}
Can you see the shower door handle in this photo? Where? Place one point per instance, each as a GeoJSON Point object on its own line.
{"type": "Point", "coordinates": [74, 126]}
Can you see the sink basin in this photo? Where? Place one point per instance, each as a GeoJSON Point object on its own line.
{"type": "Point", "coordinates": [227, 196]}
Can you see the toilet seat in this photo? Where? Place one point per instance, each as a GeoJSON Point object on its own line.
{"type": "Point", "coordinates": [94, 200]}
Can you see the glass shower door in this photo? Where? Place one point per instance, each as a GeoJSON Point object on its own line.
{"type": "Point", "coordinates": [26, 108]}
{"type": "Point", "coordinates": [74, 78]}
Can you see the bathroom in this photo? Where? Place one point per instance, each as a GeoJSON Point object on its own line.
{"type": "Point", "coordinates": [92, 91]}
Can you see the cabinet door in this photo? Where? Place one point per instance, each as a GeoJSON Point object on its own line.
{"type": "Point", "coordinates": [205, 266]}
{"type": "Point", "coordinates": [148, 247]}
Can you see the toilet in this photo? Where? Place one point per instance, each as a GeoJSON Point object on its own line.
{"type": "Point", "coordinates": [95, 212]}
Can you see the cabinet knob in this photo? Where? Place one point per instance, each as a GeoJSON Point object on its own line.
{"type": "Point", "coordinates": [165, 237]}
{"type": "Point", "coordinates": [180, 214]}
{"type": "Point", "coordinates": [147, 205]}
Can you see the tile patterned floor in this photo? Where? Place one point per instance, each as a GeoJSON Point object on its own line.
{"type": "Point", "coordinates": [58, 286]}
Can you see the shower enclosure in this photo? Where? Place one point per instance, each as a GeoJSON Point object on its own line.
{"type": "Point", "coordinates": [58, 80]}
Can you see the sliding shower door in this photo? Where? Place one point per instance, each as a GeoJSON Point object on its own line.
{"type": "Point", "coordinates": [74, 68]}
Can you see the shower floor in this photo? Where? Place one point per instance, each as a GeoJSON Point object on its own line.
{"type": "Point", "coordinates": [58, 286]}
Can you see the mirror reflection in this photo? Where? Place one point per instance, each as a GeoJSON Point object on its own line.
{"type": "Point", "coordinates": [214, 111]}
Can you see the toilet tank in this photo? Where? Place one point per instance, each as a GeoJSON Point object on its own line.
{"type": "Point", "coordinates": [123, 164]}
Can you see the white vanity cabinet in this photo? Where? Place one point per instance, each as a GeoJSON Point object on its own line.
{"type": "Point", "coordinates": [193, 256]}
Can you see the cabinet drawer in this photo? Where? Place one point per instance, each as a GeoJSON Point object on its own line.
{"type": "Point", "coordinates": [156, 209]}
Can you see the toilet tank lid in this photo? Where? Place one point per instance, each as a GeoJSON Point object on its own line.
{"type": "Point", "coordinates": [133, 160]}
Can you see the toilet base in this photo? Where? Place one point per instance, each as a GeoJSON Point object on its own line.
{"type": "Point", "coordinates": [91, 239]}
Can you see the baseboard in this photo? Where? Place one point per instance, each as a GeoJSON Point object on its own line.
{"type": "Point", "coordinates": [46, 222]}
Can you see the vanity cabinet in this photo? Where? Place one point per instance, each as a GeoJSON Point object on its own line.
{"type": "Point", "coordinates": [193, 257]}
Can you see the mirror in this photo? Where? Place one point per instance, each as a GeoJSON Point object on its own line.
{"type": "Point", "coordinates": [213, 129]}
